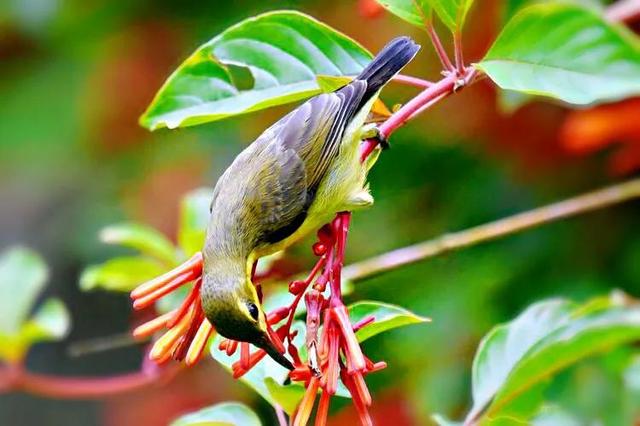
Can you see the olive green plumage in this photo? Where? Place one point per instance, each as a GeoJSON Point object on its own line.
{"type": "Point", "coordinates": [290, 181]}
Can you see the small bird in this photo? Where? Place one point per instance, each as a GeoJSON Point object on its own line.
{"type": "Point", "coordinates": [289, 182]}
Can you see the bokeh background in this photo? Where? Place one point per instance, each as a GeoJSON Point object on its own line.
{"type": "Point", "coordinates": [75, 76]}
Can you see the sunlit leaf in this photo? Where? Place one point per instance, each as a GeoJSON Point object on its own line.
{"type": "Point", "coordinates": [194, 217]}
{"type": "Point", "coordinates": [565, 52]}
{"type": "Point", "coordinates": [267, 60]}
{"type": "Point", "coordinates": [142, 238]}
{"type": "Point", "coordinates": [120, 273]}
{"type": "Point", "coordinates": [22, 278]}
{"type": "Point", "coordinates": [223, 414]}
{"type": "Point", "coordinates": [386, 317]}
{"type": "Point", "coordinates": [288, 396]}
{"type": "Point", "coordinates": [51, 322]}
{"type": "Point", "coordinates": [415, 12]}
{"type": "Point", "coordinates": [453, 13]}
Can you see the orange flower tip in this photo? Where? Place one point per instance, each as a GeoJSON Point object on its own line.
{"type": "Point", "coordinates": [306, 405]}
{"type": "Point", "coordinates": [380, 365]}
{"type": "Point", "coordinates": [192, 267]}
{"type": "Point", "coordinates": [196, 349]}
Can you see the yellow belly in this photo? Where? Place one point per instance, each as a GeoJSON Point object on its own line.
{"type": "Point", "coordinates": [337, 191]}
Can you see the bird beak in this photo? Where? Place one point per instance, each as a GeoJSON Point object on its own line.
{"type": "Point", "coordinates": [270, 348]}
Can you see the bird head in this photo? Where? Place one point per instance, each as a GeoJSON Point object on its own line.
{"type": "Point", "coordinates": [231, 304]}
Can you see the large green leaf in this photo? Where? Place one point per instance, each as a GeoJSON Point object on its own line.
{"type": "Point", "coordinates": [223, 414]}
{"type": "Point", "coordinates": [565, 52]}
{"type": "Point", "coordinates": [386, 317]}
{"type": "Point", "coordinates": [120, 273]}
{"type": "Point", "coordinates": [452, 13]}
{"type": "Point", "coordinates": [141, 237]}
{"type": "Point", "coordinates": [505, 345]}
{"type": "Point", "coordinates": [267, 60]}
{"type": "Point", "coordinates": [22, 278]}
{"type": "Point", "coordinates": [547, 337]}
{"type": "Point", "coordinates": [194, 217]}
{"type": "Point", "coordinates": [416, 12]}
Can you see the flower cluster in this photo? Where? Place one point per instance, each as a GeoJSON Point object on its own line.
{"type": "Point", "coordinates": [332, 355]}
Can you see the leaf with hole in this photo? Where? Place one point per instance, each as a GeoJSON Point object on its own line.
{"type": "Point", "coordinates": [267, 60]}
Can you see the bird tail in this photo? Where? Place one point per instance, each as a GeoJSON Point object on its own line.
{"type": "Point", "coordinates": [387, 63]}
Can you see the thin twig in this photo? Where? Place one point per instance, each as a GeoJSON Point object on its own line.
{"type": "Point", "coordinates": [437, 45]}
{"type": "Point", "coordinates": [459, 57]}
{"type": "Point", "coordinates": [583, 203]}
{"type": "Point", "coordinates": [412, 81]}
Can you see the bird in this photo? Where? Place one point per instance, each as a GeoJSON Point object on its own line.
{"type": "Point", "coordinates": [290, 181]}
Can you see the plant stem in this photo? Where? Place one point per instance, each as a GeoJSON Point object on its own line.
{"type": "Point", "coordinates": [457, 43]}
{"type": "Point", "coordinates": [438, 91]}
{"type": "Point", "coordinates": [437, 45]}
{"type": "Point", "coordinates": [83, 387]}
{"type": "Point", "coordinates": [580, 204]}
{"type": "Point", "coordinates": [412, 81]}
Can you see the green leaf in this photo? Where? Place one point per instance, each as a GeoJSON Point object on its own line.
{"type": "Point", "coordinates": [452, 13]}
{"type": "Point", "coordinates": [22, 278]}
{"type": "Point", "coordinates": [51, 322]}
{"type": "Point", "coordinates": [223, 414]}
{"type": "Point", "coordinates": [565, 52]}
{"type": "Point", "coordinates": [506, 344]}
{"type": "Point", "coordinates": [267, 377]}
{"type": "Point", "coordinates": [263, 61]}
{"type": "Point", "coordinates": [329, 83]}
{"type": "Point", "coordinates": [552, 416]}
{"type": "Point", "coordinates": [415, 12]}
{"type": "Point", "coordinates": [517, 357]}
{"type": "Point", "coordinates": [143, 238]}
{"type": "Point", "coordinates": [386, 316]}
{"type": "Point", "coordinates": [256, 378]}
{"type": "Point", "coordinates": [288, 396]}
{"type": "Point", "coordinates": [120, 273]}
{"type": "Point", "coordinates": [194, 217]}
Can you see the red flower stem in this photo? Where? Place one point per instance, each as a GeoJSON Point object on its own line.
{"type": "Point", "coordinates": [412, 81]}
{"type": "Point", "coordinates": [51, 386]}
{"type": "Point", "coordinates": [408, 110]}
{"type": "Point", "coordinates": [457, 44]}
{"type": "Point", "coordinates": [437, 45]}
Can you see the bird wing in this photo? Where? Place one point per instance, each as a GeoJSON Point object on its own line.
{"type": "Point", "coordinates": [297, 152]}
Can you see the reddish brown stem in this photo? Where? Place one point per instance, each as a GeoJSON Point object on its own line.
{"type": "Point", "coordinates": [51, 386]}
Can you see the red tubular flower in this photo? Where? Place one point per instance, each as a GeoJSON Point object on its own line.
{"type": "Point", "coordinates": [188, 329]}
{"type": "Point", "coordinates": [333, 355]}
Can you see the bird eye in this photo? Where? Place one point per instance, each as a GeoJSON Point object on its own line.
{"type": "Point", "coordinates": [253, 310]}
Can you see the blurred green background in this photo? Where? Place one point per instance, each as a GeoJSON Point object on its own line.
{"type": "Point", "coordinates": [75, 77]}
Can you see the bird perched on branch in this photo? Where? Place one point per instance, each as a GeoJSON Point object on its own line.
{"type": "Point", "coordinates": [289, 182]}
